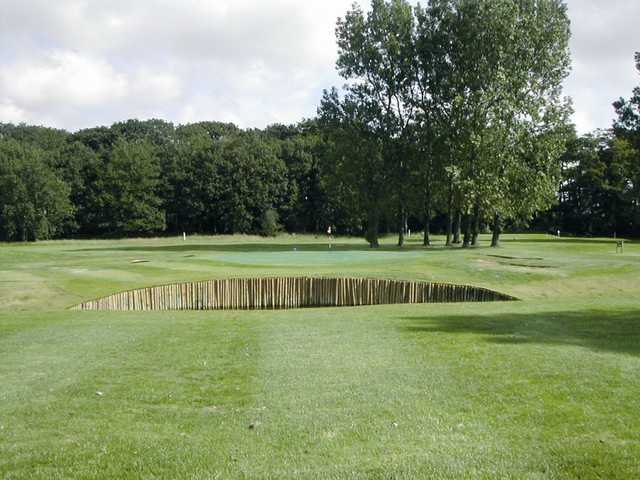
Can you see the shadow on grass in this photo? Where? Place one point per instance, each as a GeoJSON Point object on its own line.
{"type": "Point", "coordinates": [601, 330]}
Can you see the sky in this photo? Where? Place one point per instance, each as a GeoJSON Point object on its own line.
{"type": "Point", "coordinates": [81, 63]}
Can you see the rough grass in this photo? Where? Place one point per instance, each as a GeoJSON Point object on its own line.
{"type": "Point", "coordinates": [548, 387]}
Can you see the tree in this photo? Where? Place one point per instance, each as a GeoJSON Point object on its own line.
{"type": "Point", "coordinates": [491, 70]}
{"type": "Point", "coordinates": [78, 167]}
{"type": "Point", "coordinates": [100, 139]}
{"type": "Point", "coordinates": [598, 192]}
{"type": "Point", "coordinates": [627, 147]}
{"type": "Point", "coordinates": [252, 182]}
{"type": "Point", "coordinates": [627, 125]}
{"type": "Point", "coordinates": [34, 202]}
{"type": "Point", "coordinates": [48, 140]}
{"type": "Point", "coordinates": [186, 174]}
{"type": "Point", "coordinates": [356, 167]}
{"type": "Point", "coordinates": [375, 53]}
{"type": "Point", "coordinates": [299, 148]}
{"type": "Point", "coordinates": [129, 202]}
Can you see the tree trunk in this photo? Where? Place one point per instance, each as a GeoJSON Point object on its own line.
{"type": "Point", "coordinates": [427, 227]}
{"type": "Point", "coordinates": [427, 219]}
{"type": "Point", "coordinates": [466, 241]}
{"type": "Point", "coordinates": [458, 227]}
{"type": "Point", "coordinates": [495, 237]}
{"type": "Point", "coordinates": [476, 225]}
{"type": "Point", "coordinates": [372, 230]}
{"type": "Point", "coordinates": [450, 216]}
{"type": "Point", "coordinates": [402, 222]}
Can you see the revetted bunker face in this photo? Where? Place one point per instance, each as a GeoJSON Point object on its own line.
{"type": "Point", "coordinates": [288, 292]}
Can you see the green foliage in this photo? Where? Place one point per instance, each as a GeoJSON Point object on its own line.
{"type": "Point", "coordinates": [307, 207]}
{"type": "Point", "coordinates": [470, 86]}
{"type": "Point", "coordinates": [270, 224]}
{"type": "Point", "coordinates": [600, 189]}
{"type": "Point", "coordinates": [355, 161]}
{"type": "Point", "coordinates": [139, 177]}
{"type": "Point", "coordinates": [46, 139]}
{"type": "Point", "coordinates": [79, 167]}
{"type": "Point", "coordinates": [627, 124]}
{"type": "Point", "coordinates": [498, 68]}
{"type": "Point", "coordinates": [34, 202]}
{"type": "Point", "coordinates": [128, 198]}
{"type": "Point", "coordinates": [375, 54]}
{"type": "Point", "coordinates": [224, 184]}
{"type": "Point", "coordinates": [252, 181]}
{"type": "Point", "coordinates": [450, 110]}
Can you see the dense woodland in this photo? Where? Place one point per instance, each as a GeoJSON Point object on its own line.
{"type": "Point", "coordinates": [451, 120]}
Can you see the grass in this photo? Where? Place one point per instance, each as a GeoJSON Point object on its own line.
{"type": "Point", "coordinates": [547, 387]}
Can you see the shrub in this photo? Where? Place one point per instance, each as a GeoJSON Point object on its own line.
{"type": "Point", "coordinates": [270, 224]}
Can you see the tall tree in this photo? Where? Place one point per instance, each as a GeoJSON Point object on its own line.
{"type": "Point", "coordinates": [375, 54]}
{"type": "Point", "coordinates": [497, 68]}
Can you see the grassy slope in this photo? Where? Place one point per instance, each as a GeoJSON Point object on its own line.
{"type": "Point", "coordinates": [548, 387]}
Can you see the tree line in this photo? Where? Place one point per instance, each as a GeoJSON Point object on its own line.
{"type": "Point", "coordinates": [451, 120]}
{"type": "Point", "coordinates": [150, 177]}
{"type": "Point", "coordinates": [599, 191]}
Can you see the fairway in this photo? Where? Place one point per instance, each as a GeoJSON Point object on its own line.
{"type": "Point", "coordinates": [544, 387]}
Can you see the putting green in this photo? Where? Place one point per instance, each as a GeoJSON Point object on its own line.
{"type": "Point", "coordinates": [299, 256]}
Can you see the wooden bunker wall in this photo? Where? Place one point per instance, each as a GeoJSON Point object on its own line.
{"type": "Point", "coordinates": [288, 292]}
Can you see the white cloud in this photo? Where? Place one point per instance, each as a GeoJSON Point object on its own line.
{"type": "Point", "coordinates": [63, 87]}
{"type": "Point", "coordinates": [604, 39]}
{"type": "Point", "coordinates": [61, 77]}
{"type": "Point", "coordinates": [152, 88]}
{"type": "Point", "coordinates": [11, 113]}
{"type": "Point", "coordinates": [79, 63]}
{"type": "Point", "coordinates": [88, 61]}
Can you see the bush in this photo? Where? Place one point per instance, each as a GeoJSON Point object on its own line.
{"type": "Point", "coordinates": [270, 224]}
